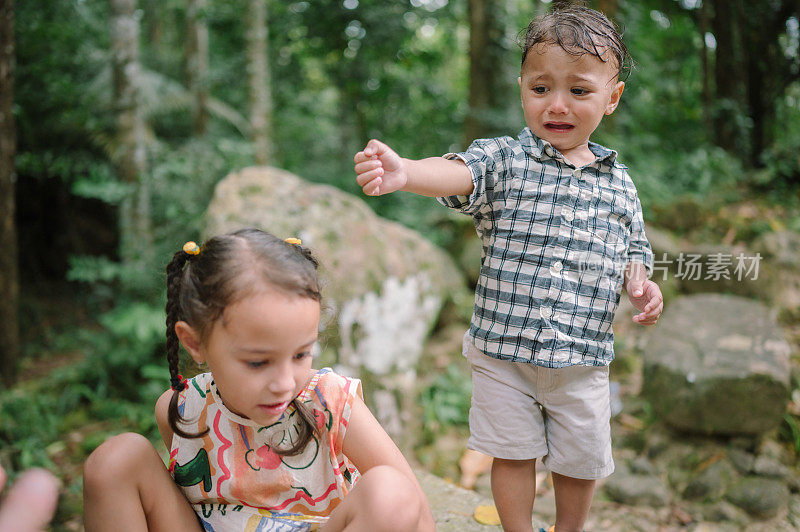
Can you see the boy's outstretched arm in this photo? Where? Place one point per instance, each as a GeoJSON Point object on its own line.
{"type": "Point", "coordinates": [379, 170]}
{"type": "Point", "coordinates": [644, 294]}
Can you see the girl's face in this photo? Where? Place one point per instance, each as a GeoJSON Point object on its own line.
{"type": "Point", "coordinates": [259, 352]}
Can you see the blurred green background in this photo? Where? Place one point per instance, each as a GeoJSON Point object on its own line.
{"type": "Point", "coordinates": [124, 115]}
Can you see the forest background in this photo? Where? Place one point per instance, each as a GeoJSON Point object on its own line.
{"type": "Point", "coordinates": [118, 118]}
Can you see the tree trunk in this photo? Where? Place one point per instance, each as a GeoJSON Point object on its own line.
{"type": "Point", "coordinates": [759, 110]}
{"type": "Point", "coordinates": [259, 81]}
{"type": "Point", "coordinates": [130, 155]}
{"type": "Point", "coordinates": [727, 69]}
{"type": "Point", "coordinates": [197, 63]}
{"type": "Point", "coordinates": [703, 26]}
{"type": "Point", "coordinates": [751, 72]}
{"type": "Point", "coordinates": [769, 71]}
{"type": "Point", "coordinates": [152, 17]}
{"type": "Point", "coordinates": [9, 273]}
{"type": "Point", "coordinates": [487, 104]}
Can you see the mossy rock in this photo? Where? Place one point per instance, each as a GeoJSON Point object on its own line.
{"type": "Point", "coordinates": [761, 497]}
{"type": "Point", "coordinates": [711, 482]}
{"type": "Point", "coordinates": [383, 284]}
{"type": "Point", "coordinates": [717, 365]}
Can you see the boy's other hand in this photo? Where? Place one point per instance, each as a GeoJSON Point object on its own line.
{"type": "Point", "coordinates": [646, 296]}
{"type": "Point", "coordinates": [379, 170]}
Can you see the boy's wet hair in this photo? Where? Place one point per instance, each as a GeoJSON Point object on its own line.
{"type": "Point", "coordinates": [579, 30]}
{"type": "Point", "coordinates": [227, 269]}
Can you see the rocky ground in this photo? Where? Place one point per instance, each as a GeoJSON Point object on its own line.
{"type": "Point", "coordinates": [665, 480]}
{"type": "Point", "coordinates": [453, 508]}
{"type": "Point", "coordinates": [660, 484]}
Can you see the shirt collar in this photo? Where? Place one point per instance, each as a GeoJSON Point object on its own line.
{"type": "Point", "coordinates": [541, 149]}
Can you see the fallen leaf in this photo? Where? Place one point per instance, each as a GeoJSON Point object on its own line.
{"type": "Point", "coordinates": [487, 515]}
{"type": "Point", "coordinates": [713, 459]}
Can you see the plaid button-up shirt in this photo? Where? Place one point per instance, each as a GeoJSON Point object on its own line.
{"type": "Point", "coordinates": [556, 240]}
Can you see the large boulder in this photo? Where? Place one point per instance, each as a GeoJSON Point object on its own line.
{"type": "Point", "coordinates": [384, 284]}
{"type": "Point", "coordinates": [706, 268]}
{"type": "Point", "coordinates": [717, 364]}
{"type": "Point", "coordinates": [780, 251]}
{"type": "Point", "coordinates": [767, 270]}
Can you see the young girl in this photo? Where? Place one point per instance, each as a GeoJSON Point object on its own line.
{"type": "Point", "coordinates": [262, 441]}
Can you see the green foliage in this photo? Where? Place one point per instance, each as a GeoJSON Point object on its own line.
{"type": "Point", "coordinates": [446, 401]}
{"type": "Point", "coordinates": [90, 269]}
{"type": "Point", "coordinates": [118, 381]}
{"type": "Point", "coordinates": [790, 431]}
{"type": "Point", "coordinates": [129, 341]}
{"type": "Point", "coordinates": [183, 180]}
{"type": "Point", "coordinates": [663, 177]}
{"type": "Point", "coordinates": [60, 50]}
{"type": "Point", "coordinates": [342, 72]}
{"type": "Point", "coordinates": [781, 174]}
{"type": "Point", "coordinates": [27, 425]}
{"type": "Point", "coordinates": [790, 428]}
{"type": "Point", "coordinates": [345, 72]}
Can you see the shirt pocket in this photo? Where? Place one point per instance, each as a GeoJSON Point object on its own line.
{"type": "Point", "coordinates": [610, 216]}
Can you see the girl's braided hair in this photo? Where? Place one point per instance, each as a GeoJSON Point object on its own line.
{"type": "Point", "coordinates": [200, 286]}
{"type": "Point", "coordinates": [579, 30]}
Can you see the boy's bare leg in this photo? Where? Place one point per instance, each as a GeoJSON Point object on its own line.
{"type": "Point", "coordinates": [573, 500]}
{"type": "Point", "coordinates": [513, 489]}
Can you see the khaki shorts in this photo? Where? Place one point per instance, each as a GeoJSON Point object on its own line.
{"type": "Point", "coordinates": [521, 411]}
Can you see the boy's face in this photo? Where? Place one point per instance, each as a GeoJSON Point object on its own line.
{"type": "Point", "coordinates": [564, 97]}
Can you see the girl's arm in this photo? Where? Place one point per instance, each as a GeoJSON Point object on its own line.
{"type": "Point", "coordinates": [367, 445]}
{"type": "Point", "coordinates": [162, 418]}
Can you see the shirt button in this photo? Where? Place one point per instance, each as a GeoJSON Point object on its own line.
{"type": "Point", "coordinates": [586, 195]}
{"type": "Point", "coordinates": [557, 266]}
{"type": "Point", "coordinates": [545, 312]}
{"type": "Point", "coordinates": [568, 216]}
{"type": "Point", "coordinates": [577, 173]}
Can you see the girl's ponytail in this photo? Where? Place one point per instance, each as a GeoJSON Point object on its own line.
{"type": "Point", "coordinates": [178, 383]}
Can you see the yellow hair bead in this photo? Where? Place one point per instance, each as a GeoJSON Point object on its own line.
{"type": "Point", "coordinates": [191, 248]}
{"type": "Point", "coordinates": [292, 240]}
